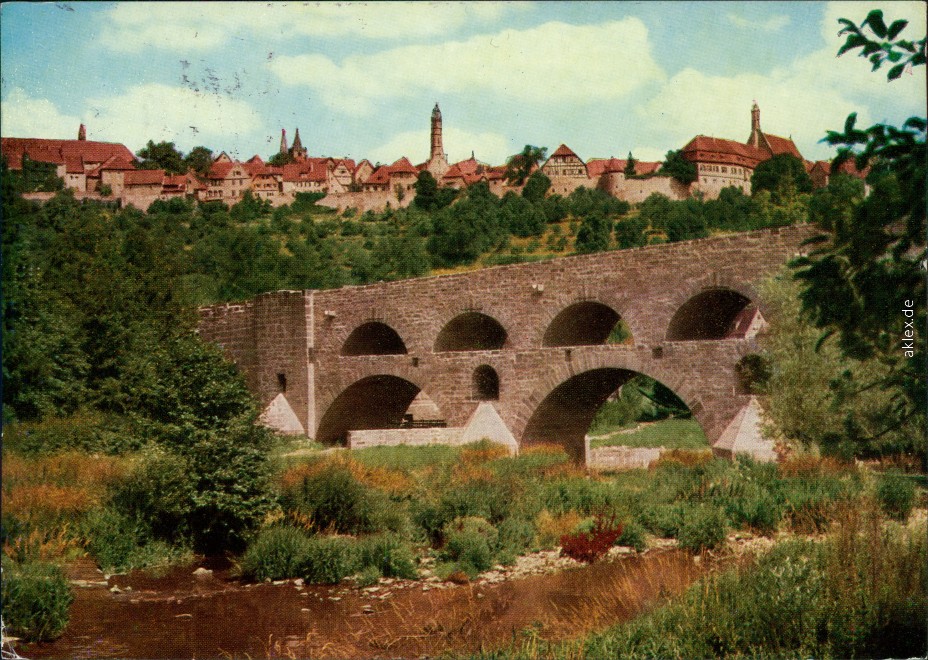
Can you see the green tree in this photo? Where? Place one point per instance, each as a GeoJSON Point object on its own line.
{"type": "Point", "coordinates": [426, 191]}
{"type": "Point", "coordinates": [783, 175]}
{"type": "Point", "coordinates": [865, 284]}
{"type": "Point", "coordinates": [520, 166]}
{"type": "Point", "coordinates": [630, 166]}
{"type": "Point", "coordinates": [536, 187]}
{"type": "Point", "coordinates": [594, 234]}
{"type": "Point", "coordinates": [161, 156]}
{"type": "Point", "coordinates": [280, 159]}
{"type": "Point", "coordinates": [832, 207]}
{"type": "Point", "coordinates": [677, 166]}
{"type": "Point", "coordinates": [200, 160]}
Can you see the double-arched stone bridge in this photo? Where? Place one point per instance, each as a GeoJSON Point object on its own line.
{"type": "Point", "coordinates": [529, 340]}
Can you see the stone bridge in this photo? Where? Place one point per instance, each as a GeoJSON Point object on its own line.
{"type": "Point", "coordinates": [528, 344]}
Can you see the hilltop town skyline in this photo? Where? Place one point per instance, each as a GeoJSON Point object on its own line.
{"type": "Point", "coordinates": [604, 78]}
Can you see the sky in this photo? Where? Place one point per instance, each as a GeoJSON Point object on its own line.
{"type": "Point", "coordinates": [360, 79]}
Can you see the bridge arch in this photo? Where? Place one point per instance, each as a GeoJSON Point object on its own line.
{"type": "Point", "coordinates": [471, 331]}
{"type": "Point", "coordinates": [582, 323]}
{"type": "Point", "coordinates": [563, 406]}
{"type": "Point", "coordinates": [709, 314]}
{"type": "Point", "coordinates": [373, 338]}
{"type": "Point", "coordinates": [373, 402]}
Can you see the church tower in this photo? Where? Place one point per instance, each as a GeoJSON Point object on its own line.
{"type": "Point", "coordinates": [283, 141]}
{"type": "Point", "coordinates": [438, 161]}
{"type": "Point", "coordinates": [755, 138]}
{"type": "Point", "coordinates": [82, 132]}
{"type": "Point", "coordinates": [298, 152]}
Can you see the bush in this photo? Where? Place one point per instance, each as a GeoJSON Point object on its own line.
{"type": "Point", "coordinates": [594, 544]}
{"type": "Point", "coordinates": [336, 501]}
{"type": "Point", "coordinates": [119, 543]}
{"type": "Point", "coordinates": [329, 559]}
{"type": "Point", "coordinates": [703, 528]}
{"type": "Point", "coordinates": [515, 536]}
{"type": "Point", "coordinates": [896, 495]}
{"type": "Point", "coordinates": [632, 537]}
{"type": "Point", "coordinates": [36, 598]}
{"type": "Point", "coordinates": [277, 553]}
{"type": "Point", "coordinates": [471, 542]}
{"type": "Point", "coordinates": [390, 555]}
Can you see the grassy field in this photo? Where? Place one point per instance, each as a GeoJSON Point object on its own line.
{"type": "Point", "coordinates": [669, 433]}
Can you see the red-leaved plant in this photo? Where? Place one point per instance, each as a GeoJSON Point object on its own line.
{"type": "Point", "coordinates": [590, 546]}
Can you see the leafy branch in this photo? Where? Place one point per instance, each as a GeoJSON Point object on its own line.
{"type": "Point", "coordinates": [887, 48]}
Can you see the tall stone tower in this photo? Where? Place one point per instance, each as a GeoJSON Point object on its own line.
{"type": "Point", "coordinates": [283, 140]}
{"type": "Point", "coordinates": [437, 164]}
{"type": "Point", "coordinates": [755, 138]}
{"type": "Point", "coordinates": [82, 132]}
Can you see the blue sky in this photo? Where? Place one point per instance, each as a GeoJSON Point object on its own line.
{"type": "Point", "coordinates": [360, 80]}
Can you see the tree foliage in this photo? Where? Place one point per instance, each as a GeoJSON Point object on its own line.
{"type": "Point", "coordinates": [161, 156]}
{"type": "Point", "coordinates": [783, 175]}
{"type": "Point", "coordinates": [678, 167]}
{"type": "Point", "coordinates": [864, 284]}
{"type": "Point", "coordinates": [520, 166]}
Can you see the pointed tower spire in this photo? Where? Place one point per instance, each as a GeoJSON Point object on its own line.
{"type": "Point", "coordinates": [296, 140]}
{"type": "Point", "coordinates": [754, 140]}
{"type": "Point", "coordinates": [283, 140]}
{"type": "Point", "coordinates": [82, 132]}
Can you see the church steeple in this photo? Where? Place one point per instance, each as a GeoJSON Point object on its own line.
{"type": "Point", "coordinates": [755, 138]}
{"type": "Point", "coordinates": [297, 145]}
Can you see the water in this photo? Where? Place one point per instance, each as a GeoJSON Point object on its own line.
{"type": "Point", "coordinates": [179, 615]}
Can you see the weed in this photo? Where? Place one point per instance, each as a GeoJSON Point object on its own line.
{"type": "Point", "coordinates": [391, 555]}
{"type": "Point", "coordinates": [896, 494]}
{"type": "Point", "coordinates": [276, 553]}
{"type": "Point", "coordinates": [36, 598]}
{"type": "Point", "coordinates": [329, 559]}
{"type": "Point", "coordinates": [471, 542]}
{"type": "Point", "coordinates": [703, 528]}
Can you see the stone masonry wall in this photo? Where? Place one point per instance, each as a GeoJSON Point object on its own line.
{"type": "Point", "coordinates": [646, 286]}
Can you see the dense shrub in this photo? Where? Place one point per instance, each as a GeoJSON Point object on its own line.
{"type": "Point", "coordinates": [337, 501]}
{"type": "Point", "coordinates": [276, 553]}
{"type": "Point", "coordinates": [516, 536]}
{"type": "Point", "coordinates": [896, 495]}
{"type": "Point", "coordinates": [471, 542]}
{"type": "Point", "coordinates": [632, 536]}
{"type": "Point", "coordinates": [90, 431]}
{"type": "Point", "coordinates": [36, 598]}
{"type": "Point", "coordinates": [330, 559]}
{"type": "Point", "coordinates": [703, 528]}
{"type": "Point", "coordinates": [391, 555]}
{"type": "Point", "coordinates": [120, 543]}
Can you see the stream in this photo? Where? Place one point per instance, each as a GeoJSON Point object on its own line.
{"type": "Point", "coordinates": [180, 614]}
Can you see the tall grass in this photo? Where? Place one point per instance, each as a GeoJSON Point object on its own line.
{"type": "Point", "coordinates": [669, 433]}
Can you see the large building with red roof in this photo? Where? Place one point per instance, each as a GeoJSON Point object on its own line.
{"type": "Point", "coordinates": [722, 163]}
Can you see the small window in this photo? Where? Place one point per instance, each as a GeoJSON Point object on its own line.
{"type": "Point", "coordinates": [282, 383]}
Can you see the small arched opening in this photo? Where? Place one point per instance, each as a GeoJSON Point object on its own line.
{"type": "Point", "coordinates": [485, 384]}
{"type": "Point", "coordinates": [374, 338]}
{"type": "Point", "coordinates": [713, 314]}
{"type": "Point", "coordinates": [471, 331]}
{"type": "Point", "coordinates": [585, 324]}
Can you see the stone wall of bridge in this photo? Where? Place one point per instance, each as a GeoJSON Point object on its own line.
{"type": "Point", "coordinates": [543, 390]}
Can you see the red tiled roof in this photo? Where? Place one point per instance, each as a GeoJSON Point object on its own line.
{"type": "Point", "coordinates": [719, 150]}
{"type": "Point", "coordinates": [781, 145]}
{"type": "Point", "coordinates": [58, 151]}
{"type": "Point", "coordinates": [143, 177]}
{"type": "Point", "coordinates": [564, 150]}
{"type": "Point", "coordinates": [305, 171]}
{"type": "Point", "coordinates": [220, 169]}
{"type": "Point", "coordinates": [403, 166]}
{"type": "Point", "coordinates": [596, 166]}
{"type": "Point", "coordinates": [380, 176]}
{"type": "Point", "coordinates": [74, 165]}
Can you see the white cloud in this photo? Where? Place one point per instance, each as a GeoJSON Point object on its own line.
{"type": "Point", "coordinates": [24, 116]}
{"type": "Point", "coordinates": [772, 24]}
{"type": "Point", "coordinates": [175, 114]}
{"type": "Point", "coordinates": [491, 148]}
{"type": "Point", "coordinates": [136, 26]}
{"type": "Point", "coordinates": [551, 63]}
